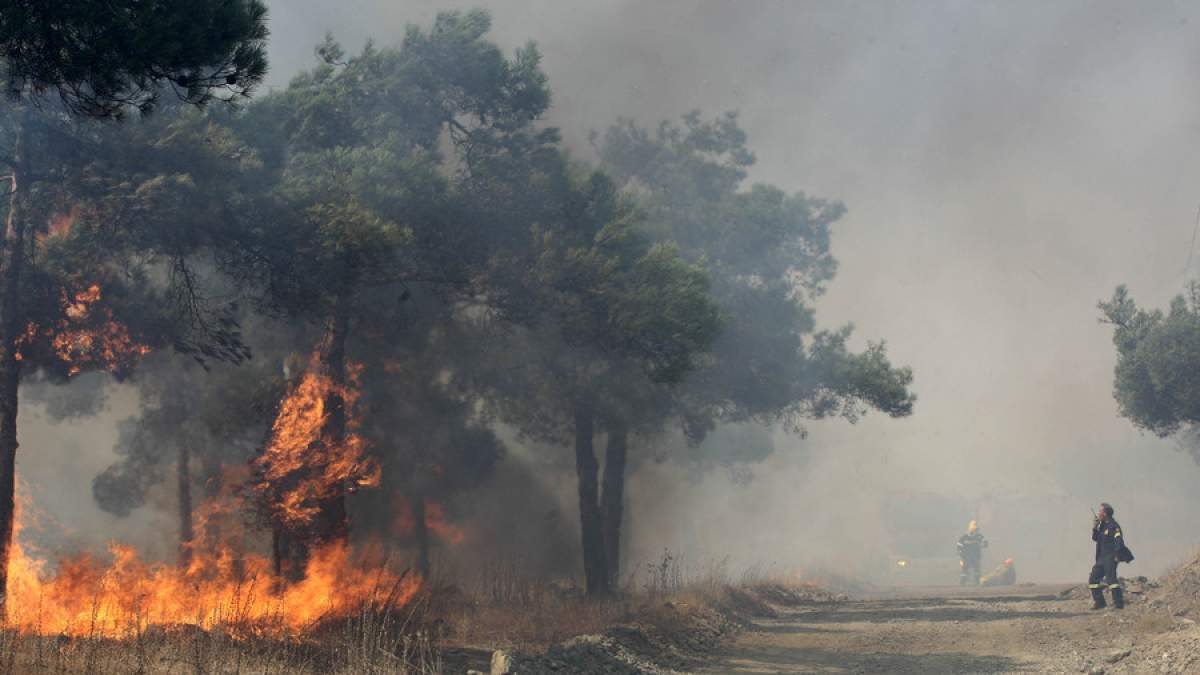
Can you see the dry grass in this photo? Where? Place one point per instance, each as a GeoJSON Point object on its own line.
{"type": "Point", "coordinates": [373, 641]}
{"type": "Point", "coordinates": [502, 608]}
{"type": "Point", "coordinates": [505, 609]}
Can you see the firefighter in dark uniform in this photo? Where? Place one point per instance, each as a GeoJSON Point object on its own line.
{"type": "Point", "coordinates": [1110, 544]}
{"type": "Point", "coordinates": [970, 553]}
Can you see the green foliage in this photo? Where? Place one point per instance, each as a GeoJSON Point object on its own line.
{"type": "Point", "coordinates": [365, 192]}
{"type": "Point", "coordinates": [768, 254]}
{"type": "Point", "coordinates": [140, 213]}
{"type": "Point", "coordinates": [1157, 356]}
{"type": "Point", "coordinates": [103, 57]}
{"type": "Point", "coordinates": [603, 314]}
{"type": "Point", "coordinates": [618, 294]}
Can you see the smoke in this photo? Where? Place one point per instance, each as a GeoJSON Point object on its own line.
{"type": "Point", "coordinates": [1004, 167]}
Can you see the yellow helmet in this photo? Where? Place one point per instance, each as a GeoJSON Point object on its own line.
{"type": "Point", "coordinates": [971, 527]}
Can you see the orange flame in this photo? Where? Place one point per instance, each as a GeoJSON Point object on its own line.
{"type": "Point", "coordinates": [108, 347]}
{"type": "Point", "coordinates": [61, 223]}
{"type": "Point", "coordinates": [435, 520]}
{"type": "Point", "coordinates": [302, 466]}
{"type": "Point", "coordinates": [404, 524]}
{"type": "Point", "coordinates": [84, 596]}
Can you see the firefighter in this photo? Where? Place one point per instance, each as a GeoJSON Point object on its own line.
{"type": "Point", "coordinates": [1110, 550]}
{"type": "Point", "coordinates": [1004, 575]}
{"type": "Point", "coordinates": [970, 553]}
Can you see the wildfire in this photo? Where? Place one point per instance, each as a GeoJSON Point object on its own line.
{"type": "Point", "coordinates": [84, 596]}
{"type": "Point", "coordinates": [87, 597]}
{"type": "Point", "coordinates": [303, 465]}
{"type": "Point", "coordinates": [225, 584]}
{"type": "Point", "coordinates": [61, 223]}
{"type": "Point", "coordinates": [86, 336]}
{"type": "Point", "coordinates": [404, 525]}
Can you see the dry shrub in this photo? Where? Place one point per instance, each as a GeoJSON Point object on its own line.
{"type": "Point", "coordinates": [1153, 623]}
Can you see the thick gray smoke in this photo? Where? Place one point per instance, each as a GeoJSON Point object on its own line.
{"type": "Point", "coordinates": [1004, 165]}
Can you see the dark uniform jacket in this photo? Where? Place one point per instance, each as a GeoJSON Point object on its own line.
{"type": "Point", "coordinates": [1107, 535]}
{"type": "Point", "coordinates": [971, 544]}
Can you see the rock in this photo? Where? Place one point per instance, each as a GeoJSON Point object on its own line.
{"type": "Point", "coordinates": [501, 662]}
{"type": "Point", "coordinates": [1096, 670]}
{"type": "Point", "coordinates": [1116, 655]}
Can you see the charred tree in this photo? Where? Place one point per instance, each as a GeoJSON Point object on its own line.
{"type": "Point", "coordinates": [331, 523]}
{"type": "Point", "coordinates": [612, 498]}
{"type": "Point", "coordinates": [291, 544]}
{"type": "Point", "coordinates": [11, 329]}
{"type": "Point", "coordinates": [591, 520]}
{"type": "Point", "coordinates": [286, 557]}
{"type": "Point", "coordinates": [186, 533]}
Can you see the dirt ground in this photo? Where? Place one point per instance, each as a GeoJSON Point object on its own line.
{"type": "Point", "coordinates": [1025, 628]}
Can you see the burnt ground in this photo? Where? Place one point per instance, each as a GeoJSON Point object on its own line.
{"type": "Point", "coordinates": [1026, 628]}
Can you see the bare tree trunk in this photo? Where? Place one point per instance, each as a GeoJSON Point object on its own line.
{"type": "Point", "coordinates": [11, 329]}
{"type": "Point", "coordinates": [421, 533]}
{"type": "Point", "coordinates": [186, 535]}
{"type": "Point", "coordinates": [612, 498]}
{"type": "Point", "coordinates": [595, 567]}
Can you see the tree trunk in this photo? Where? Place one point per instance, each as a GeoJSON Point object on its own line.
{"type": "Point", "coordinates": [595, 567]}
{"type": "Point", "coordinates": [331, 523]}
{"type": "Point", "coordinates": [421, 533]}
{"type": "Point", "coordinates": [186, 535]}
{"type": "Point", "coordinates": [11, 330]}
{"type": "Point", "coordinates": [292, 549]}
{"type": "Point", "coordinates": [612, 498]}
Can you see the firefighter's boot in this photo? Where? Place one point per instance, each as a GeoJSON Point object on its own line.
{"type": "Point", "coordinates": [1118, 597]}
{"type": "Point", "coordinates": [1098, 598]}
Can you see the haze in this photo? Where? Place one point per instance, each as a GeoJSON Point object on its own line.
{"type": "Point", "coordinates": [1004, 165]}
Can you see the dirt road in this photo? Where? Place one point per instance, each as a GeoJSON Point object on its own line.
{"type": "Point", "coordinates": [946, 630]}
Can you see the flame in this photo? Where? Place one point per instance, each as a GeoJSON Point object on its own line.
{"type": "Point", "coordinates": [61, 223]}
{"type": "Point", "coordinates": [436, 522]}
{"type": "Point", "coordinates": [85, 596]}
{"type": "Point", "coordinates": [76, 342]}
{"type": "Point", "coordinates": [302, 466]}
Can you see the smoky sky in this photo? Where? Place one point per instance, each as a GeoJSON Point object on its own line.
{"type": "Point", "coordinates": [1004, 166]}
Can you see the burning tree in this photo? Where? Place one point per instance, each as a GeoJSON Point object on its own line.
{"type": "Point", "coordinates": [96, 268]}
{"type": "Point", "coordinates": [84, 51]}
{"type": "Point", "coordinates": [205, 420]}
{"type": "Point", "coordinates": [366, 200]}
{"type": "Point", "coordinates": [432, 440]}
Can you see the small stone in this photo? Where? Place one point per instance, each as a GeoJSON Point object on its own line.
{"type": "Point", "coordinates": [1117, 655]}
